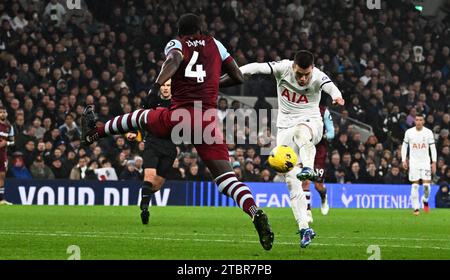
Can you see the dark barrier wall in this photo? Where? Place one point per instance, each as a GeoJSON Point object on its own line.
{"type": "Point", "coordinates": [66, 192]}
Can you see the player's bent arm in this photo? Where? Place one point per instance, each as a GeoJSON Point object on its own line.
{"type": "Point", "coordinates": [329, 126]}
{"type": "Point", "coordinates": [233, 75]}
{"type": "Point", "coordinates": [257, 68]}
{"type": "Point", "coordinates": [433, 153]}
{"type": "Point", "coordinates": [170, 66]}
{"type": "Point", "coordinates": [404, 150]}
{"type": "Point", "coordinates": [331, 89]}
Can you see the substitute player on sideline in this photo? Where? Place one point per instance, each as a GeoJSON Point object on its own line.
{"type": "Point", "coordinates": [419, 141]}
{"type": "Point", "coordinates": [320, 164]}
{"type": "Point", "coordinates": [300, 125]}
{"type": "Point", "coordinates": [194, 63]}
{"type": "Point", "coordinates": [6, 139]}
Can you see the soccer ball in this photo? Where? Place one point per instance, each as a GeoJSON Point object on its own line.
{"type": "Point", "coordinates": [282, 158]}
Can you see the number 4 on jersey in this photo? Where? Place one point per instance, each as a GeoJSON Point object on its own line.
{"type": "Point", "coordinates": [199, 73]}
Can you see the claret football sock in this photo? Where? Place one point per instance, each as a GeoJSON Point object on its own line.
{"type": "Point", "coordinates": [229, 185]}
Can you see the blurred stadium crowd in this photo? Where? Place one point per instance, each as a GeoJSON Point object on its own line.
{"type": "Point", "coordinates": [390, 65]}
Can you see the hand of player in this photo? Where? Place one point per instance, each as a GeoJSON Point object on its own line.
{"type": "Point", "coordinates": [154, 91]}
{"type": "Point", "coordinates": [405, 165]}
{"type": "Point", "coordinates": [433, 168]}
{"type": "Point", "coordinates": [339, 101]}
{"type": "Point", "coordinates": [131, 136]}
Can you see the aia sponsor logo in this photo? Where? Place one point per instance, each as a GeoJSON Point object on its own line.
{"type": "Point", "coordinates": [419, 146]}
{"type": "Point", "coordinates": [294, 97]}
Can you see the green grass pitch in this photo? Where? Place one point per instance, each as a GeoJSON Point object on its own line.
{"type": "Point", "coordinates": [102, 232]}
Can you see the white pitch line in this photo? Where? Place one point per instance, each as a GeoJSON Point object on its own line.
{"type": "Point", "coordinates": [211, 240]}
{"type": "Point", "coordinates": [243, 235]}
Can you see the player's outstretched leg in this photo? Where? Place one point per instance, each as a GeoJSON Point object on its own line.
{"type": "Point", "coordinates": [229, 185]}
{"type": "Point", "coordinates": [299, 206]}
{"type": "Point", "coordinates": [426, 194]}
{"type": "Point", "coordinates": [146, 196]}
{"type": "Point", "coordinates": [415, 198]}
{"type": "Point", "coordinates": [122, 124]}
{"type": "Point", "coordinates": [307, 191]}
{"type": "Point", "coordinates": [306, 236]}
{"type": "Point", "coordinates": [322, 190]}
{"type": "Point", "coordinates": [303, 139]}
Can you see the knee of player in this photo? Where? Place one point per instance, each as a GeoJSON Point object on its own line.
{"type": "Point", "coordinates": [152, 178]}
{"type": "Point", "coordinates": [159, 182]}
{"type": "Point", "coordinates": [156, 182]}
{"type": "Point", "coordinates": [319, 186]}
{"type": "Point", "coordinates": [302, 134]}
{"type": "Point", "coordinates": [305, 184]}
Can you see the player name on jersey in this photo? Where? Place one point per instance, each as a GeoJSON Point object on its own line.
{"type": "Point", "coordinates": [195, 43]}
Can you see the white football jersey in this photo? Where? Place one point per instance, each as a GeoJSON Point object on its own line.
{"type": "Point", "coordinates": [419, 143]}
{"type": "Point", "coordinates": [296, 103]}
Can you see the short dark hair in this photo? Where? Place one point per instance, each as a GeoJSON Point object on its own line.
{"type": "Point", "coordinates": [189, 24]}
{"type": "Point", "coordinates": [304, 59]}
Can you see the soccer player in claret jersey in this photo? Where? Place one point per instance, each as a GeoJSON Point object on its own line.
{"type": "Point", "coordinates": [194, 63]}
{"type": "Point", "coordinates": [419, 141]}
{"type": "Point", "coordinates": [6, 139]}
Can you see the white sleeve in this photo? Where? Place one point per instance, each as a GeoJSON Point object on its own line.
{"type": "Point", "coordinates": [173, 44]}
{"type": "Point", "coordinates": [224, 54]}
{"type": "Point", "coordinates": [432, 146]}
{"type": "Point", "coordinates": [405, 146]}
{"type": "Point", "coordinates": [11, 132]}
{"type": "Point", "coordinates": [256, 68]}
{"type": "Point", "coordinates": [278, 68]}
{"type": "Point", "coordinates": [275, 68]}
{"type": "Point", "coordinates": [331, 89]}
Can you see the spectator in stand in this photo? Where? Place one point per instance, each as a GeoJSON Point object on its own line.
{"type": "Point", "coordinates": [130, 173]}
{"type": "Point", "coordinates": [372, 175]}
{"type": "Point", "coordinates": [332, 167]}
{"type": "Point", "coordinates": [238, 170]}
{"type": "Point", "coordinates": [266, 176]}
{"type": "Point", "coordinates": [250, 174]}
{"type": "Point", "coordinates": [41, 171]}
{"type": "Point", "coordinates": [442, 198]}
{"type": "Point", "coordinates": [394, 176]}
{"type": "Point", "coordinates": [193, 173]}
{"type": "Point", "coordinates": [356, 175]}
{"type": "Point", "coordinates": [78, 172]}
{"type": "Point", "coordinates": [340, 176]}
{"type": "Point", "coordinates": [19, 169]}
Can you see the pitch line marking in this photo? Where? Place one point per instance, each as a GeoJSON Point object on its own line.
{"type": "Point", "coordinates": [211, 240]}
{"type": "Point", "coordinates": [234, 235]}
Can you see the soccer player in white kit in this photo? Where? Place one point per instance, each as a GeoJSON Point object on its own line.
{"type": "Point", "coordinates": [300, 124]}
{"type": "Point", "coordinates": [420, 141]}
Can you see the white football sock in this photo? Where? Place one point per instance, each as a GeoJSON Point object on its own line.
{"type": "Point", "coordinates": [298, 198]}
{"type": "Point", "coordinates": [426, 192]}
{"type": "Point", "coordinates": [415, 196]}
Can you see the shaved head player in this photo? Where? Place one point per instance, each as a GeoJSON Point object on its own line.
{"type": "Point", "coordinates": [193, 62]}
